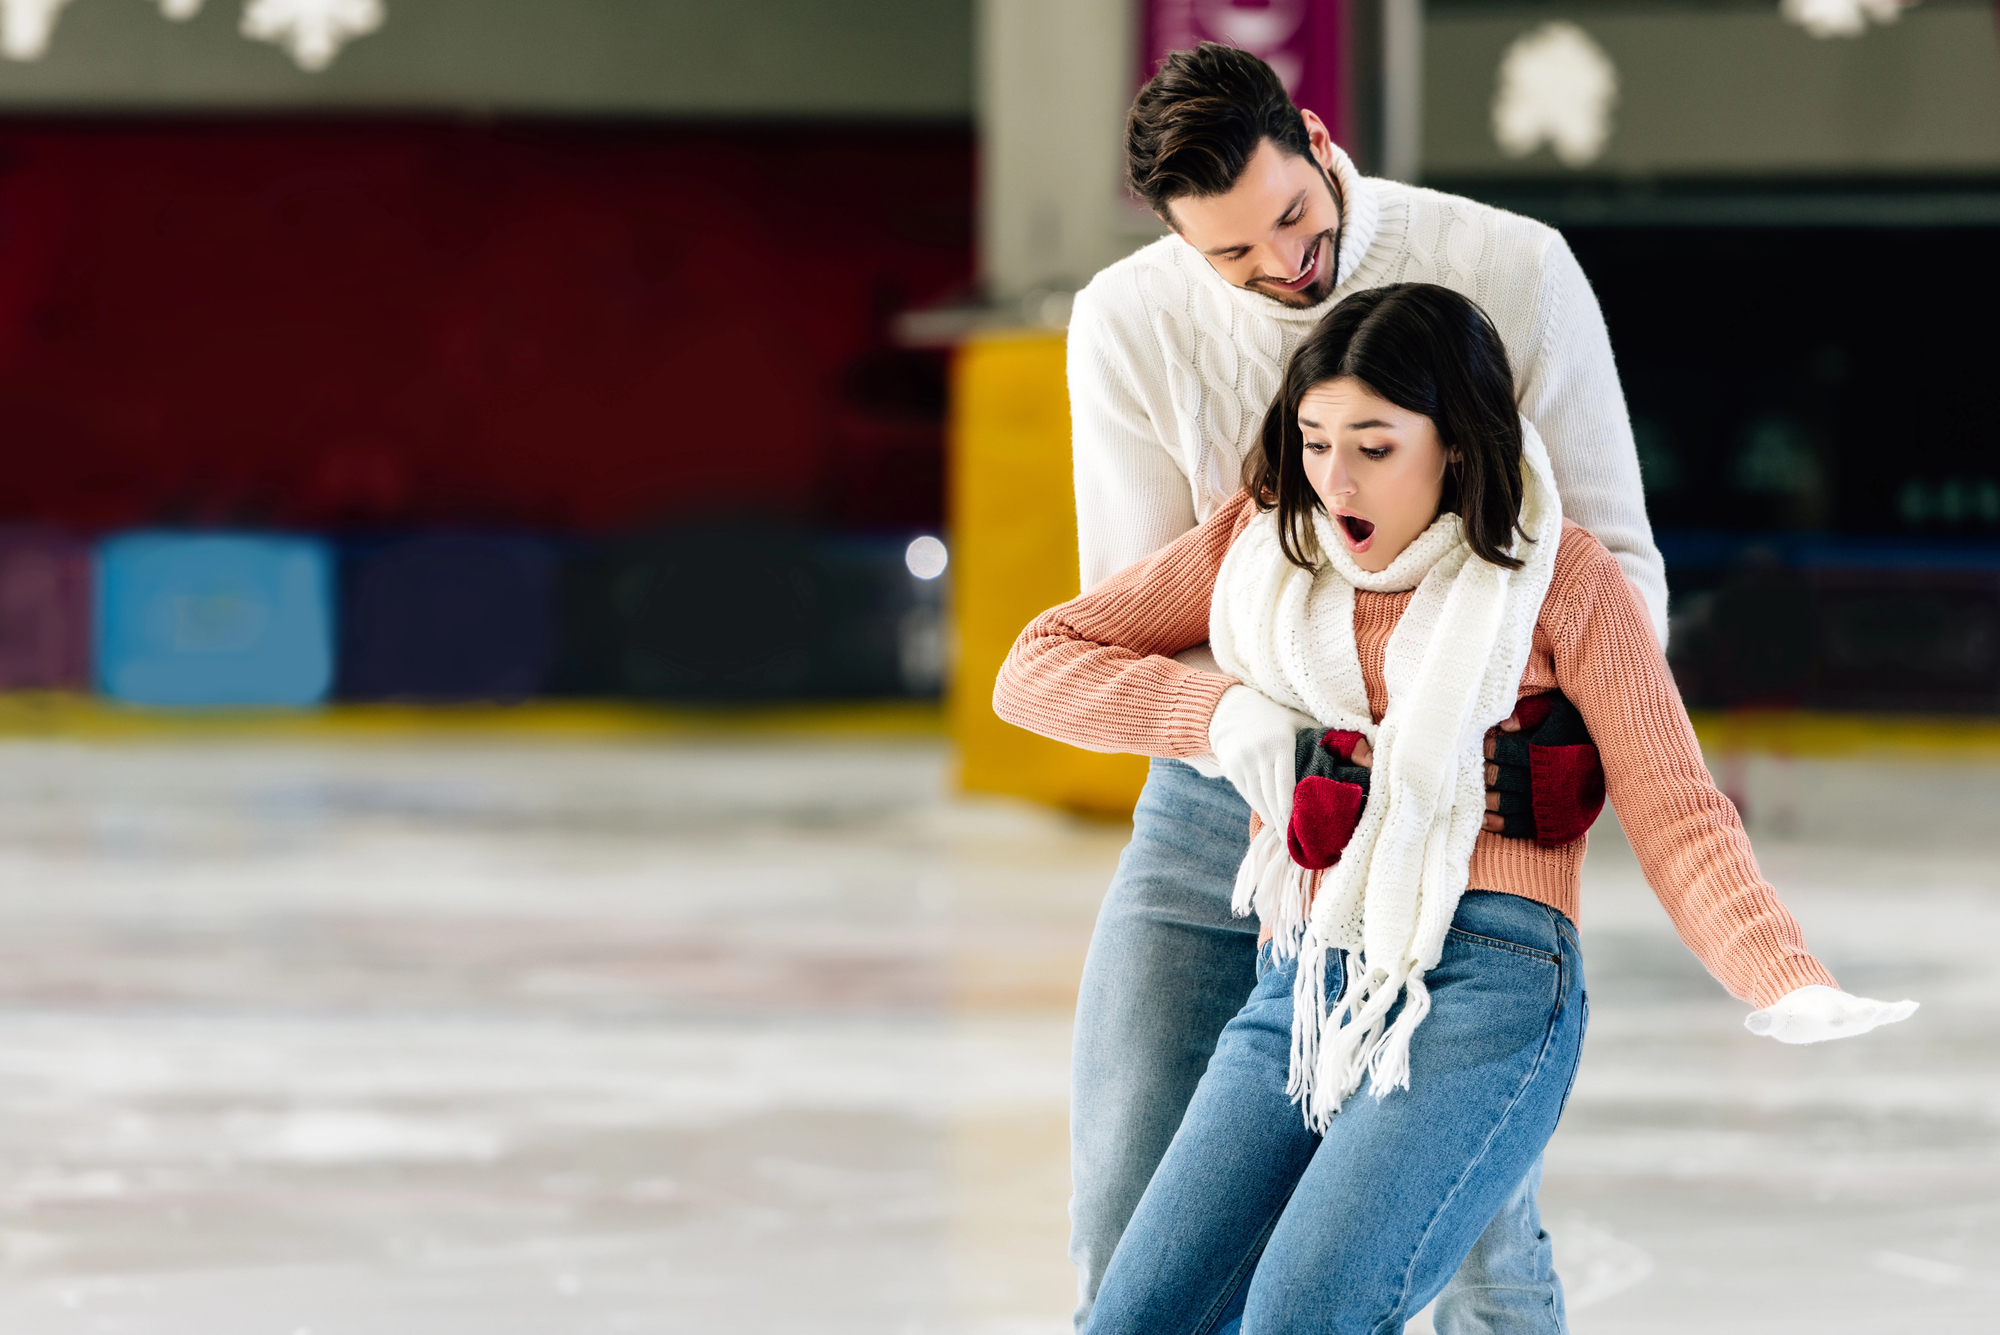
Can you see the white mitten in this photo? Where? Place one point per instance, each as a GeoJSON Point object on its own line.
{"type": "Point", "coordinates": [1816, 1013]}
{"type": "Point", "coordinates": [1252, 738]}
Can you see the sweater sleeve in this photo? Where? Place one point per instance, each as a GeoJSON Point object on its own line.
{"type": "Point", "coordinates": [1097, 672]}
{"type": "Point", "coordinates": [1570, 391]}
{"type": "Point", "coordinates": [1131, 497]}
{"type": "Point", "coordinates": [1688, 838]}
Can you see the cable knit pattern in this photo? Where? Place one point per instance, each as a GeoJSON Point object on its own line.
{"type": "Point", "coordinates": [1097, 672]}
{"type": "Point", "coordinates": [1171, 369]}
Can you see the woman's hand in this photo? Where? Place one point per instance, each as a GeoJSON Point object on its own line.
{"type": "Point", "coordinates": [1251, 737]}
{"type": "Point", "coordinates": [1815, 1013]}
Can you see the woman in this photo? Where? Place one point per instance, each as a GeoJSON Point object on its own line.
{"type": "Point", "coordinates": [1396, 577]}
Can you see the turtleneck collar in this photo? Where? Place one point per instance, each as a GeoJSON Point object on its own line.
{"type": "Point", "coordinates": [1363, 223]}
{"type": "Point", "coordinates": [1407, 571]}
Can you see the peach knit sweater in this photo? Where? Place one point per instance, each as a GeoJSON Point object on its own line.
{"type": "Point", "coordinates": [1098, 672]}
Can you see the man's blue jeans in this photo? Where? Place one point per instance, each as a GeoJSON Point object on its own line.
{"type": "Point", "coordinates": [1168, 968]}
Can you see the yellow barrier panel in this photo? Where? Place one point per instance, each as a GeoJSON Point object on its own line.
{"type": "Point", "coordinates": [1803, 734]}
{"type": "Point", "coordinates": [93, 719]}
{"type": "Point", "coordinates": [1013, 528]}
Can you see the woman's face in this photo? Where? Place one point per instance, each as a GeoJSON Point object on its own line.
{"type": "Point", "coordinates": [1378, 469]}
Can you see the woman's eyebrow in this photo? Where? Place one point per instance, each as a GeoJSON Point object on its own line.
{"type": "Point", "coordinates": [1370, 424]}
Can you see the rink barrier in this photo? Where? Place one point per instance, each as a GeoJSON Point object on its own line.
{"type": "Point", "coordinates": [45, 603]}
{"type": "Point", "coordinates": [695, 615]}
{"type": "Point", "coordinates": [204, 620]}
{"type": "Point", "coordinates": [446, 617]}
{"type": "Point", "coordinates": [1819, 735]}
{"type": "Point", "coordinates": [1867, 623]}
{"type": "Point", "coordinates": [1012, 509]}
{"type": "Point", "coordinates": [73, 716]}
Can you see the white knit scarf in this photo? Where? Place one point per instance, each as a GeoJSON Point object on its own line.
{"type": "Point", "coordinates": [1453, 669]}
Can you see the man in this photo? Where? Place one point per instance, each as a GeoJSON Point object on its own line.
{"type": "Point", "coordinates": [1174, 354]}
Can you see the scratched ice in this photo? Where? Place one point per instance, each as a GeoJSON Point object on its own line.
{"type": "Point", "coordinates": [499, 1037]}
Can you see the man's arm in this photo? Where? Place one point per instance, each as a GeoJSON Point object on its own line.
{"type": "Point", "coordinates": [1570, 391]}
{"type": "Point", "coordinates": [1131, 497]}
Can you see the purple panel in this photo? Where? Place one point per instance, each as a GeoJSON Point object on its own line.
{"type": "Point", "coordinates": [44, 611]}
{"type": "Point", "coordinates": [1300, 39]}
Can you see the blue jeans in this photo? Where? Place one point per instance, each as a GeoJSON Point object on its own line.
{"type": "Point", "coordinates": [1167, 970]}
{"type": "Point", "coordinates": [1253, 1217]}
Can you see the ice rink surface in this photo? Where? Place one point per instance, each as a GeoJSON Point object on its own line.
{"type": "Point", "coordinates": [464, 1038]}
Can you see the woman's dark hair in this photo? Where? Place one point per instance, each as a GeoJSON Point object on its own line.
{"type": "Point", "coordinates": [1196, 124]}
{"type": "Point", "coordinates": [1427, 350]}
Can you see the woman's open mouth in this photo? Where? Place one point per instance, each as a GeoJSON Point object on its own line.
{"type": "Point", "coordinates": [1359, 532]}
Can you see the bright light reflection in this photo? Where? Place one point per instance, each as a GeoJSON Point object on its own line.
{"type": "Point", "coordinates": [926, 557]}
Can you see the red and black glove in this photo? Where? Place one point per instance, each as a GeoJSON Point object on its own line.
{"type": "Point", "coordinates": [1326, 804]}
{"type": "Point", "coordinates": [1549, 777]}
{"type": "Point", "coordinates": [1551, 781]}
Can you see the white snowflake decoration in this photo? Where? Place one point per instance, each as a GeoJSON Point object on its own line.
{"type": "Point", "coordinates": [1557, 86]}
{"type": "Point", "coordinates": [26, 26]}
{"type": "Point", "coordinates": [1839, 18]}
{"type": "Point", "coordinates": [312, 31]}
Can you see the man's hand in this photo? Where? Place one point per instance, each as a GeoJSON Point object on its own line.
{"type": "Point", "coordinates": [1493, 821]}
{"type": "Point", "coordinates": [1544, 778]}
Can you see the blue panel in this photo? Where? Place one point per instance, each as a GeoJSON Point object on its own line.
{"type": "Point", "coordinates": [747, 610]}
{"type": "Point", "coordinates": [1700, 549]}
{"type": "Point", "coordinates": [445, 616]}
{"type": "Point", "coordinates": [214, 619]}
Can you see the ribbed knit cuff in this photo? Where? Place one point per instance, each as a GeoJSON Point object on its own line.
{"type": "Point", "coordinates": [1788, 976]}
{"type": "Point", "coordinates": [1193, 707]}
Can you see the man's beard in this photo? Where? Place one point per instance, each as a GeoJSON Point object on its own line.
{"type": "Point", "coordinates": [1320, 287]}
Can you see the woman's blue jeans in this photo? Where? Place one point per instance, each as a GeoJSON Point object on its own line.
{"type": "Point", "coordinates": [1251, 1216]}
{"type": "Point", "coordinates": [1169, 965]}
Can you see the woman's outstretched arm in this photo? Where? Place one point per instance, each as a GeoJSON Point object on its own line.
{"type": "Point", "coordinates": [1098, 672]}
{"type": "Point", "coordinates": [1688, 837]}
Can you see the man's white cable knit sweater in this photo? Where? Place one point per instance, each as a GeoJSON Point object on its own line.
{"type": "Point", "coordinates": [1171, 369]}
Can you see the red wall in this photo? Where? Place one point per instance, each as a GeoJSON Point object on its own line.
{"type": "Point", "coordinates": [563, 326]}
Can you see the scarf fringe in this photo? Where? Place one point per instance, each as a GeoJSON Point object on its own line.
{"type": "Point", "coordinates": [1452, 667]}
{"type": "Point", "coordinates": [1255, 866]}
{"type": "Point", "coordinates": [1334, 1048]}
{"type": "Point", "coordinates": [1345, 1038]}
{"type": "Point", "coordinates": [1308, 998]}
{"type": "Point", "coordinates": [1389, 1066]}
{"type": "Point", "coordinates": [1276, 889]}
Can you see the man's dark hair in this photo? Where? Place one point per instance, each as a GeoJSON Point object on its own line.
{"type": "Point", "coordinates": [1428, 350]}
{"type": "Point", "coordinates": [1196, 124]}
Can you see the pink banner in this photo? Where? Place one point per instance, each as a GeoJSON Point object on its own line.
{"type": "Point", "coordinates": [1300, 39]}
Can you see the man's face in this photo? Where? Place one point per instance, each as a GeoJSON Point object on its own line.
{"type": "Point", "coordinates": [1274, 231]}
